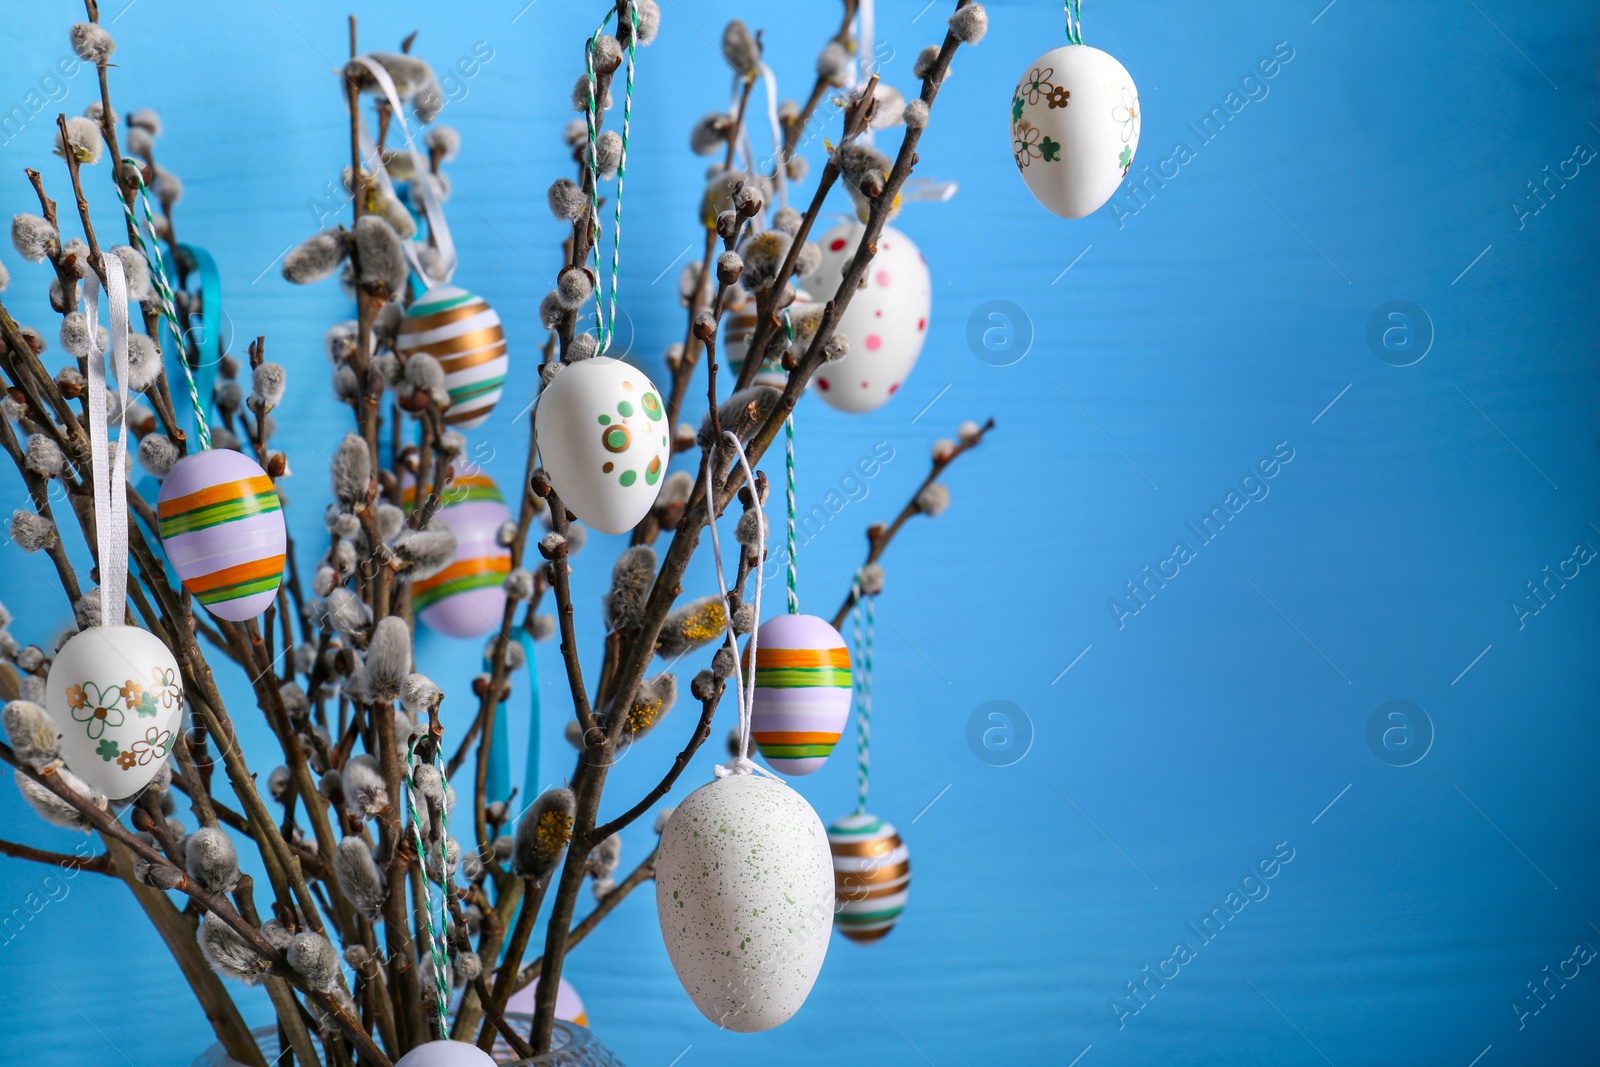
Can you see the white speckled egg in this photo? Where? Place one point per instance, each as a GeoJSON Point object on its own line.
{"type": "Point", "coordinates": [602, 430]}
{"type": "Point", "coordinates": [887, 320]}
{"type": "Point", "coordinates": [744, 893]}
{"type": "Point", "coordinates": [115, 695]}
{"type": "Point", "coordinates": [1074, 128]}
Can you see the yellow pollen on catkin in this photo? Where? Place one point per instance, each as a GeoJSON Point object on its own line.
{"type": "Point", "coordinates": [706, 623]}
{"type": "Point", "coordinates": [555, 830]}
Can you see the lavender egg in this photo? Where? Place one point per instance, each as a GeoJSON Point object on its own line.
{"type": "Point", "coordinates": [467, 598]}
{"type": "Point", "coordinates": [222, 527]}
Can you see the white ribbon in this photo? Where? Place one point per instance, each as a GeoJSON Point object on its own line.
{"type": "Point", "coordinates": [862, 69]}
{"type": "Point", "coordinates": [780, 170]}
{"type": "Point", "coordinates": [110, 466]}
{"type": "Point", "coordinates": [438, 228]}
{"type": "Point", "coordinates": [927, 189]}
{"type": "Point", "coordinates": [743, 687]}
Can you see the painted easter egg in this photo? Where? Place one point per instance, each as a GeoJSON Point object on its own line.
{"type": "Point", "coordinates": [802, 692]}
{"type": "Point", "coordinates": [569, 1006]}
{"type": "Point", "coordinates": [222, 527]}
{"type": "Point", "coordinates": [1074, 128]}
{"type": "Point", "coordinates": [887, 319]}
{"type": "Point", "coordinates": [467, 598]}
{"type": "Point", "coordinates": [446, 1054]}
{"type": "Point", "coordinates": [463, 333]}
{"type": "Point", "coordinates": [740, 327]}
{"type": "Point", "coordinates": [116, 698]}
{"type": "Point", "coordinates": [744, 893]}
{"type": "Point", "coordinates": [871, 876]}
{"type": "Point", "coordinates": [602, 431]}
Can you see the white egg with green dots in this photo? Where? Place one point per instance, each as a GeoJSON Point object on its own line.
{"type": "Point", "coordinates": [604, 441]}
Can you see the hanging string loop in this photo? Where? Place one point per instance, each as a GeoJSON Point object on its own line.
{"type": "Point", "coordinates": [863, 617]}
{"type": "Point", "coordinates": [434, 924]}
{"type": "Point", "coordinates": [1073, 11]}
{"type": "Point", "coordinates": [605, 312]}
{"type": "Point", "coordinates": [149, 246]}
{"type": "Point", "coordinates": [743, 683]}
{"type": "Point", "coordinates": [110, 463]}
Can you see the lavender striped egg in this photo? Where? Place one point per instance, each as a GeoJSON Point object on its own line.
{"type": "Point", "coordinates": [222, 527]}
{"type": "Point", "coordinates": [467, 598]}
{"type": "Point", "coordinates": [802, 692]}
{"type": "Point", "coordinates": [871, 876]}
{"type": "Point", "coordinates": [463, 333]}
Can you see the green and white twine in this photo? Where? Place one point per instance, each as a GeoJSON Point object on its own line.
{"type": "Point", "coordinates": [862, 674]}
{"type": "Point", "coordinates": [151, 250]}
{"type": "Point", "coordinates": [605, 321]}
{"type": "Point", "coordinates": [437, 946]}
{"type": "Point", "coordinates": [788, 470]}
{"type": "Point", "coordinates": [1074, 13]}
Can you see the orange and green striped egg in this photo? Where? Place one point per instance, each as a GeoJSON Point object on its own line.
{"type": "Point", "coordinates": [467, 598]}
{"type": "Point", "coordinates": [221, 525]}
{"type": "Point", "coordinates": [802, 692]}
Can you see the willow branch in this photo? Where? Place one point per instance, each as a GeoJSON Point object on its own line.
{"type": "Point", "coordinates": [99, 864]}
{"type": "Point", "coordinates": [639, 875]}
{"type": "Point", "coordinates": [179, 881]}
{"type": "Point", "coordinates": [879, 536]}
{"type": "Point", "coordinates": [702, 730]}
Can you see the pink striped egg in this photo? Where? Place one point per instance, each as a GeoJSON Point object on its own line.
{"type": "Point", "coordinates": [222, 527]}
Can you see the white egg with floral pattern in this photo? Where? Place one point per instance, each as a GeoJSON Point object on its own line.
{"type": "Point", "coordinates": [116, 697]}
{"type": "Point", "coordinates": [1074, 128]}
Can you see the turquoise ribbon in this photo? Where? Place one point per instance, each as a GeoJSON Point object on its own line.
{"type": "Point", "coordinates": [530, 773]}
{"type": "Point", "coordinates": [205, 330]}
{"type": "Point", "coordinates": [497, 784]}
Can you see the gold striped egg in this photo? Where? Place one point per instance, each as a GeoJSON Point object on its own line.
{"type": "Point", "coordinates": [463, 333]}
{"type": "Point", "coordinates": [871, 876]}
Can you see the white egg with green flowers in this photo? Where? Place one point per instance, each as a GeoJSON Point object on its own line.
{"type": "Point", "coordinates": [1074, 128]}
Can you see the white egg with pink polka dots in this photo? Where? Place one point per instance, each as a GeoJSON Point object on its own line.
{"type": "Point", "coordinates": [886, 321]}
